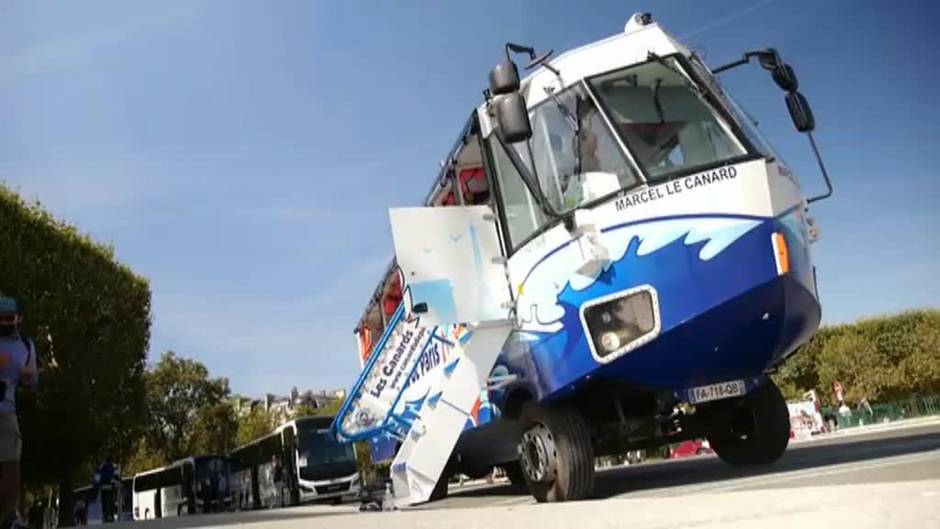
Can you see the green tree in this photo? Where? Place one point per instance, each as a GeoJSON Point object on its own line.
{"type": "Point", "coordinates": [89, 316]}
{"type": "Point", "coordinates": [305, 410]}
{"type": "Point", "coordinates": [215, 428]}
{"type": "Point", "coordinates": [180, 397]}
{"type": "Point", "coordinates": [883, 358]}
{"type": "Point", "coordinates": [257, 423]}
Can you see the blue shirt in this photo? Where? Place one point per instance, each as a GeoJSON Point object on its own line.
{"type": "Point", "coordinates": [15, 358]}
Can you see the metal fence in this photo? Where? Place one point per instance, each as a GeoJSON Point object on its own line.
{"type": "Point", "coordinates": [920, 406]}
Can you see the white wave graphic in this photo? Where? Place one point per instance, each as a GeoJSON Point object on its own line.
{"type": "Point", "coordinates": [538, 305]}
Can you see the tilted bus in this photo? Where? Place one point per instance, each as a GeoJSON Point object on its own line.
{"type": "Point", "coordinates": [314, 466]}
{"type": "Point", "coordinates": [657, 254]}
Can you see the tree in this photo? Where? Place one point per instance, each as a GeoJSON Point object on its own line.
{"type": "Point", "coordinates": [214, 430]}
{"type": "Point", "coordinates": [304, 410]}
{"type": "Point", "coordinates": [89, 317]}
{"type": "Point", "coordinates": [257, 423]}
{"type": "Point", "coordinates": [883, 358]}
{"type": "Point", "coordinates": [180, 397]}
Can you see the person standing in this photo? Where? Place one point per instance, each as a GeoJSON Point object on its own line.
{"type": "Point", "coordinates": [106, 483]}
{"type": "Point", "coordinates": [17, 368]}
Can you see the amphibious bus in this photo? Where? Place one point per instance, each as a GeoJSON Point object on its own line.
{"type": "Point", "coordinates": [313, 466]}
{"type": "Point", "coordinates": [657, 261]}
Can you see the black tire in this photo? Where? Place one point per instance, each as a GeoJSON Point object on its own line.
{"type": "Point", "coordinates": [440, 488]}
{"type": "Point", "coordinates": [758, 432]}
{"type": "Point", "coordinates": [514, 473]}
{"type": "Point", "coordinates": [555, 453]}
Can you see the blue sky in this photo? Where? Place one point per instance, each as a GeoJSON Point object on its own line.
{"type": "Point", "coordinates": [242, 156]}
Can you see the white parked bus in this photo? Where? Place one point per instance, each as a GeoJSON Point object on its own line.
{"type": "Point", "coordinates": [188, 486]}
{"type": "Point", "coordinates": [314, 466]}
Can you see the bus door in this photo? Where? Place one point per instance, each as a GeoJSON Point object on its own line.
{"type": "Point", "coordinates": [189, 487]}
{"type": "Point", "coordinates": [289, 465]}
{"type": "Point", "coordinates": [158, 502]}
{"type": "Point", "coordinates": [255, 487]}
{"type": "Point", "coordinates": [453, 264]}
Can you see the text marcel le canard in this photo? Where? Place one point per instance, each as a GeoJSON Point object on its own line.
{"type": "Point", "coordinates": [675, 187]}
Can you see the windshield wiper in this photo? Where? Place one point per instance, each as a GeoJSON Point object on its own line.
{"type": "Point", "coordinates": [569, 116]}
{"type": "Point", "coordinates": [685, 78]}
{"type": "Point", "coordinates": [575, 125]}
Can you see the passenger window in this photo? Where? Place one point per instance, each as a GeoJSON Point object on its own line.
{"type": "Point", "coordinates": [474, 187]}
{"type": "Point", "coordinates": [522, 213]}
{"type": "Point", "coordinates": [445, 195]}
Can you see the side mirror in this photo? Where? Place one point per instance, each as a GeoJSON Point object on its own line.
{"type": "Point", "coordinates": [785, 78]}
{"type": "Point", "coordinates": [769, 59]}
{"type": "Point", "coordinates": [504, 78]}
{"type": "Point", "coordinates": [800, 112]}
{"type": "Point", "coordinates": [512, 116]}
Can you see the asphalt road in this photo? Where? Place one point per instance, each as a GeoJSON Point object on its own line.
{"type": "Point", "coordinates": [881, 454]}
{"type": "Point", "coordinates": [883, 476]}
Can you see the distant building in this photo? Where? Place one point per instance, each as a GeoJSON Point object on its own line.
{"type": "Point", "coordinates": [284, 407]}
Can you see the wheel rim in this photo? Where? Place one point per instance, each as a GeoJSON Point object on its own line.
{"type": "Point", "coordinates": [537, 454]}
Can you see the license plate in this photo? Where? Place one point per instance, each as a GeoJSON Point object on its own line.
{"type": "Point", "coordinates": [723, 390]}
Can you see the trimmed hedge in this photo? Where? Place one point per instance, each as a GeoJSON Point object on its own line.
{"type": "Point", "coordinates": [883, 358]}
{"type": "Point", "coordinates": [89, 317]}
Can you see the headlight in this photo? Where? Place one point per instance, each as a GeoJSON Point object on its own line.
{"type": "Point", "coordinates": [621, 322]}
{"type": "Point", "coordinates": [610, 342]}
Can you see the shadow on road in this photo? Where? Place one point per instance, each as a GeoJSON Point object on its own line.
{"type": "Point", "coordinates": [696, 470]}
{"type": "Point", "coordinates": [233, 518]}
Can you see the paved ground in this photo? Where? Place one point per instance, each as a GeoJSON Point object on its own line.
{"type": "Point", "coordinates": [872, 455]}
{"type": "Point", "coordinates": [873, 477]}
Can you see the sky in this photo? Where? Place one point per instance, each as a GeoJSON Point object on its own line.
{"type": "Point", "coordinates": [242, 155]}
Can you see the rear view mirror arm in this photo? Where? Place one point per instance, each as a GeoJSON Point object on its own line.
{"type": "Point", "coordinates": [743, 60]}
{"type": "Point", "coordinates": [822, 168]}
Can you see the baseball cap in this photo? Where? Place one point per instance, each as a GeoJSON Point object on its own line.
{"type": "Point", "coordinates": [8, 305]}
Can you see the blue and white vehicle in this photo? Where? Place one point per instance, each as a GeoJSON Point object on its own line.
{"type": "Point", "coordinates": [653, 257]}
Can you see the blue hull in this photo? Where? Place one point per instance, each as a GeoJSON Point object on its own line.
{"type": "Point", "coordinates": [728, 316]}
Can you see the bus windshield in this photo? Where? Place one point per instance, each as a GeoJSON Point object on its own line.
{"type": "Point", "coordinates": [321, 456]}
{"type": "Point", "coordinates": [664, 119]}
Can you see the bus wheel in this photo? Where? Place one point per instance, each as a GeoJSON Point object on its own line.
{"type": "Point", "coordinates": [758, 432]}
{"type": "Point", "coordinates": [515, 475]}
{"type": "Point", "coordinates": [555, 453]}
{"type": "Point", "coordinates": [440, 488]}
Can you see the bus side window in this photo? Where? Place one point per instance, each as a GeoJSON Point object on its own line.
{"type": "Point", "coordinates": [473, 186]}
{"type": "Point", "coordinates": [391, 296]}
{"type": "Point", "coordinates": [445, 196]}
{"type": "Point", "coordinates": [523, 215]}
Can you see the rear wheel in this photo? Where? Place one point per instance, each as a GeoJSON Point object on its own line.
{"type": "Point", "coordinates": [555, 453]}
{"type": "Point", "coordinates": [758, 432]}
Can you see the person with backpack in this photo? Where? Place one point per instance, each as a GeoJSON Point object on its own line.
{"type": "Point", "coordinates": [17, 368]}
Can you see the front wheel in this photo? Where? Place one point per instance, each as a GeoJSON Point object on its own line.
{"type": "Point", "coordinates": [758, 432]}
{"type": "Point", "coordinates": [555, 453]}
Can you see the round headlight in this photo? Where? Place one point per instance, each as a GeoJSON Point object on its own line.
{"type": "Point", "coordinates": [610, 341]}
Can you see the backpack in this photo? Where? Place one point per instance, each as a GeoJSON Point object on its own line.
{"type": "Point", "coordinates": [28, 344]}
